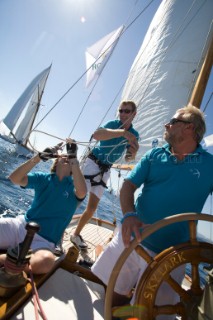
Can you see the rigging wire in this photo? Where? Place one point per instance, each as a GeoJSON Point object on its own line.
{"type": "Point", "coordinates": [84, 73]}
{"type": "Point", "coordinates": [208, 101]}
{"type": "Point", "coordinates": [53, 107]}
{"type": "Point", "coordinates": [122, 32]}
{"type": "Point", "coordinates": [82, 109]}
{"type": "Point", "coordinates": [119, 91]}
{"type": "Point", "coordinates": [82, 143]}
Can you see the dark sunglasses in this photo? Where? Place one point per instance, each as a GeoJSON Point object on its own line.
{"type": "Point", "coordinates": [125, 111]}
{"type": "Point", "coordinates": [175, 120]}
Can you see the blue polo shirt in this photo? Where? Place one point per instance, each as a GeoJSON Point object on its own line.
{"type": "Point", "coordinates": [171, 187]}
{"type": "Point", "coordinates": [53, 205]}
{"type": "Point", "coordinates": [109, 151]}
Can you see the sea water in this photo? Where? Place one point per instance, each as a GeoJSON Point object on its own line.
{"type": "Point", "coordinates": [15, 200]}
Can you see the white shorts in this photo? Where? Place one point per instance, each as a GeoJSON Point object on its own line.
{"type": "Point", "coordinates": [131, 273]}
{"type": "Point", "coordinates": [89, 167]}
{"type": "Point", "coordinates": [12, 232]}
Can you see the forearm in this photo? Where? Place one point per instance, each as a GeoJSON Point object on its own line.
{"type": "Point", "coordinates": [19, 176]}
{"type": "Point", "coordinates": [127, 197]}
{"type": "Point", "coordinates": [78, 179]}
{"type": "Point", "coordinates": [130, 222]}
{"type": "Point", "coordinates": [106, 134]}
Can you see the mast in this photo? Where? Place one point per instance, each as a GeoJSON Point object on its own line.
{"type": "Point", "coordinates": [202, 80]}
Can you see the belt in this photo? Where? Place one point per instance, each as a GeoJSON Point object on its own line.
{"type": "Point", "coordinates": [98, 162]}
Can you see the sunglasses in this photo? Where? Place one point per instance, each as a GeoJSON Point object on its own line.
{"type": "Point", "coordinates": [175, 120]}
{"type": "Point", "coordinates": [127, 111]}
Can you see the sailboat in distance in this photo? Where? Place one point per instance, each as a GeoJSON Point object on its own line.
{"type": "Point", "coordinates": [25, 109]}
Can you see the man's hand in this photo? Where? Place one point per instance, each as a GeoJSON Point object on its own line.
{"type": "Point", "coordinates": [129, 136]}
{"type": "Point", "coordinates": [72, 148]}
{"type": "Point", "coordinates": [50, 152]}
{"type": "Point", "coordinates": [131, 151]}
{"type": "Point", "coordinates": [131, 225]}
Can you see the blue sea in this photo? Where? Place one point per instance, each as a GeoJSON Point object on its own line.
{"type": "Point", "coordinates": [15, 200]}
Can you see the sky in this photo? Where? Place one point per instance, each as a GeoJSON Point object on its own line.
{"type": "Point", "coordinates": [37, 33]}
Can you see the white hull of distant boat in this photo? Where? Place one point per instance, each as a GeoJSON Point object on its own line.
{"type": "Point", "coordinates": [17, 126]}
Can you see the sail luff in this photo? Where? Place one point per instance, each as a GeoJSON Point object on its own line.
{"type": "Point", "coordinates": [202, 80]}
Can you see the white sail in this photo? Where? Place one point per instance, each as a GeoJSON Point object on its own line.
{"type": "Point", "coordinates": [166, 67]}
{"type": "Point", "coordinates": [208, 140]}
{"type": "Point", "coordinates": [28, 103]}
{"type": "Point", "coordinates": [98, 54]}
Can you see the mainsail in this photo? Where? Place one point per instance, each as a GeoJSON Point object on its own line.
{"type": "Point", "coordinates": [167, 65]}
{"type": "Point", "coordinates": [208, 140]}
{"type": "Point", "coordinates": [98, 54]}
{"type": "Point", "coordinates": [29, 103]}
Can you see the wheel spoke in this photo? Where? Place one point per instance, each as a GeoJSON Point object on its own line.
{"type": "Point", "coordinates": [193, 231]}
{"type": "Point", "coordinates": [195, 287]}
{"type": "Point", "coordinates": [169, 309]}
{"type": "Point", "coordinates": [143, 254]}
{"type": "Point", "coordinates": [178, 289]}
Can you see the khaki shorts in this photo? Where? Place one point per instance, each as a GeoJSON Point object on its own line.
{"type": "Point", "coordinates": [89, 167]}
{"type": "Point", "coordinates": [12, 232]}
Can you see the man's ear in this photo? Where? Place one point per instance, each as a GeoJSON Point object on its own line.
{"type": "Point", "coordinates": [190, 126]}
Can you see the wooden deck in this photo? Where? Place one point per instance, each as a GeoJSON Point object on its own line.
{"type": "Point", "coordinates": [94, 234]}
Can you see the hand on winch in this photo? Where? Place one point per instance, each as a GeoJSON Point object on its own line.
{"type": "Point", "coordinates": [50, 152]}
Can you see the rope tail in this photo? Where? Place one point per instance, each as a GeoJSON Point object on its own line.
{"type": "Point", "coordinates": [36, 299]}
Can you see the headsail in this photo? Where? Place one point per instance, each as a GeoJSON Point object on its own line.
{"type": "Point", "coordinates": [164, 72]}
{"type": "Point", "coordinates": [29, 103]}
{"type": "Point", "coordinates": [98, 54]}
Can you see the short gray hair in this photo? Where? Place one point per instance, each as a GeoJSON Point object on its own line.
{"type": "Point", "coordinates": [196, 116]}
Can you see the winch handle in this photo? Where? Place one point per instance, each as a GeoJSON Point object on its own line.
{"type": "Point", "coordinates": [32, 228]}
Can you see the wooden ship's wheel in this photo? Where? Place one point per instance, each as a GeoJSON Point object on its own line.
{"type": "Point", "coordinates": [159, 270]}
